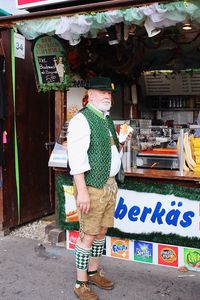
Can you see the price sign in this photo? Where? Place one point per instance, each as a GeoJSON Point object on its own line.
{"type": "Point", "coordinates": [19, 44]}
{"type": "Point", "coordinates": [47, 69]}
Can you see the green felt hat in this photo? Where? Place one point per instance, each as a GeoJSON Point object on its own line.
{"type": "Point", "coordinates": [100, 83]}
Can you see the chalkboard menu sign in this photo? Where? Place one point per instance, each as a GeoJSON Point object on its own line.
{"type": "Point", "coordinates": [48, 69]}
{"type": "Point", "coordinates": [51, 68]}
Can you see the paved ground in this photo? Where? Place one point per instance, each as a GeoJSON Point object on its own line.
{"type": "Point", "coordinates": [30, 272]}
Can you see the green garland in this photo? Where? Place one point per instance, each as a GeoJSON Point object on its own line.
{"type": "Point", "coordinates": [163, 189]}
{"type": "Point", "coordinates": [44, 87]}
{"type": "Point", "coordinates": [130, 184]}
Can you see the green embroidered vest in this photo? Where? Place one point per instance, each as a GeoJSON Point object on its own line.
{"type": "Point", "coordinates": [99, 152]}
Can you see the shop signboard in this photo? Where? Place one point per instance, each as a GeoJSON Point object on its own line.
{"type": "Point", "coordinates": [138, 212]}
{"type": "Point", "coordinates": [51, 69]}
{"type": "Point", "coordinates": [192, 259]}
{"type": "Point", "coordinates": [168, 255]}
{"type": "Point", "coordinates": [143, 251]}
{"type": "Point", "coordinates": [34, 3]}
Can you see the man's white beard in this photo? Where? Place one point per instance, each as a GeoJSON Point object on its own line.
{"type": "Point", "coordinates": [104, 106]}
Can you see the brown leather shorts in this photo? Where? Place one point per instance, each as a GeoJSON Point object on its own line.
{"type": "Point", "coordinates": [102, 208]}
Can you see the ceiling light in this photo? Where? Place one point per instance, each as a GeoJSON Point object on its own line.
{"type": "Point", "coordinates": [187, 26]}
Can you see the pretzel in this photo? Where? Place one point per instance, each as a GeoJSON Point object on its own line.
{"type": "Point", "coordinates": [124, 128]}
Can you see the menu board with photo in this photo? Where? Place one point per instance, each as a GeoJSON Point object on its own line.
{"type": "Point", "coordinates": [51, 68]}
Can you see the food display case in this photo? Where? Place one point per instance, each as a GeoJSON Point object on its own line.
{"type": "Point", "coordinates": [162, 148]}
{"type": "Point", "coordinates": [156, 148]}
{"type": "Point", "coordinates": [162, 158]}
{"type": "Point", "coordinates": [152, 147]}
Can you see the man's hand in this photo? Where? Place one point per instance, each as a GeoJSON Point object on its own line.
{"type": "Point", "coordinates": [83, 201]}
{"type": "Point", "coordinates": [129, 137]}
{"type": "Point", "coordinates": [82, 198]}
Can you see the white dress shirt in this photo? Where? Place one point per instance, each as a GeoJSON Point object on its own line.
{"type": "Point", "coordinates": [78, 141]}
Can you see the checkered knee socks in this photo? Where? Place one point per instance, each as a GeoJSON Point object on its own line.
{"type": "Point", "coordinates": [97, 248]}
{"type": "Point", "coordinates": [82, 257]}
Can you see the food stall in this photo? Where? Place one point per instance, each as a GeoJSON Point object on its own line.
{"type": "Point", "coordinates": [157, 210]}
{"type": "Point", "coordinates": [154, 64]}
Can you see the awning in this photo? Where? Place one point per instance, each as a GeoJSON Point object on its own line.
{"type": "Point", "coordinates": [72, 23]}
{"type": "Point", "coordinates": [154, 17]}
{"type": "Point", "coordinates": [4, 13]}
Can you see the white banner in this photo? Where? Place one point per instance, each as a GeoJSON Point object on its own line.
{"type": "Point", "coordinates": [147, 212]}
{"type": "Point", "coordinates": [138, 212]}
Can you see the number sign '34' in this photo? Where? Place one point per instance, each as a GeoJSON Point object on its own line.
{"type": "Point", "coordinates": [52, 70]}
{"type": "Point", "coordinates": [19, 41]}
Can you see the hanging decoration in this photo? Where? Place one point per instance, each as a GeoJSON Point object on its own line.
{"type": "Point", "coordinates": [52, 70]}
{"type": "Point", "coordinates": [153, 17]}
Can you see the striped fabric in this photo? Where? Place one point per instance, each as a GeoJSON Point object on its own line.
{"type": "Point", "coordinates": [97, 248]}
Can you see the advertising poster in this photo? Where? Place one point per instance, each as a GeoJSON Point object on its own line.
{"type": "Point", "coordinates": [72, 237]}
{"type": "Point", "coordinates": [70, 205]}
{"type": "Point", "coordinates": [192, 259]}
{"type": "Point", "coordinates": [168, 255]}
{"type": "Point", "coordinates": [143, 251]}
{"type": "Point", "coordinates": [120, 248]}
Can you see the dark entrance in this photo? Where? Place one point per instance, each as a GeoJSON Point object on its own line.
{"type": "Point", "coordinates": [34, 115]}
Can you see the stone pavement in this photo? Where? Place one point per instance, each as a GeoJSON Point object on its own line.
{"type": "Point", "coordinates": [32, 272]}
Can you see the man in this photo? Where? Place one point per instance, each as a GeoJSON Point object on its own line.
{"type": "Point", "coordinates": [94, 161]}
